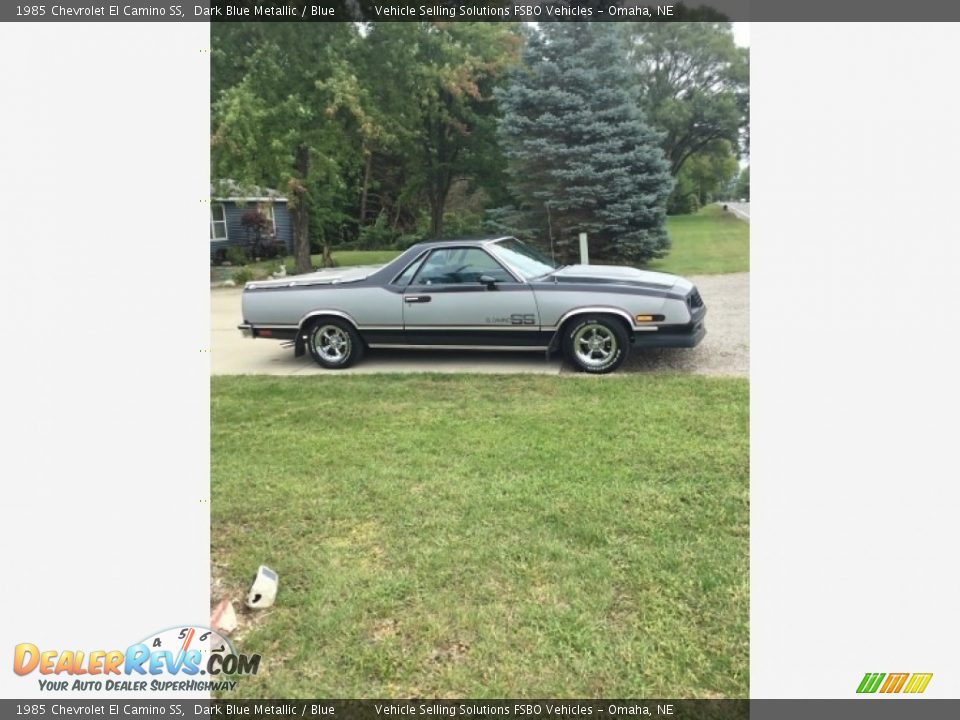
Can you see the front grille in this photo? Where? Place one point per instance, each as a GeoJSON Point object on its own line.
{"type": "Point", "coordinates": [694, 300]}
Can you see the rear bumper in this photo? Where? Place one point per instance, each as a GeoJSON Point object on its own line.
{"type": "Point", "coordinates": [273, 332]}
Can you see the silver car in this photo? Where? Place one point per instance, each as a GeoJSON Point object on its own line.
{"type": "Point", "coordinates": [491, 294]}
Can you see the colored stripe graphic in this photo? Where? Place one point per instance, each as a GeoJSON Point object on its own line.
{"type": "Point", "coordinates": [870, 682]}
{"type": "Point", "coordinates": [918, 682]}
{"type": "Point", "coordinates": [894, 682]}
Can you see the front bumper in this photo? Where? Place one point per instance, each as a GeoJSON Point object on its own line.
{"type": "Point", "coordinates": [671, 339]}
{"type": "Point", "coordinates": [675, 336]}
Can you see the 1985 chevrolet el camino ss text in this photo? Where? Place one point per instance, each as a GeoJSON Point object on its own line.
{"type": "Point", "coordinates": [494, 294]}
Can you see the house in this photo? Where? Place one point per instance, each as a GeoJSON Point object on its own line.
{"type": "Point", "coordinates": [229, 202]}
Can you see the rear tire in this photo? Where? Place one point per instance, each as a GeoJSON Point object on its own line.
{"type": "Point", "coordinates": [596, 344]}
{"type": "Point", "coordinates": [334, 344]}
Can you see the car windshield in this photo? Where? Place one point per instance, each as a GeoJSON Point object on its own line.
{"type": "Point", "coordinates": [526, 260]}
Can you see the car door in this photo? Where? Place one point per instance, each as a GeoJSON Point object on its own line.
{"type": "Point", "coordinates": [462, 297]}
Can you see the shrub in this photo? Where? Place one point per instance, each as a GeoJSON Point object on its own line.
{"type": "Point", "coordinates": [377, 236]}
{"type": "Point", "coordinates": [408, 240]}
{"type": "Point", "coordinates": [236, 255]}
{"type": "Point", "coordinates": [463, 223]}
{"type": "Point", "coordinates": [243, 276]}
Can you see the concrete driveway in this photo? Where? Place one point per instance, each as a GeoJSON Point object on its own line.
{"type": "Point", "coordinates": [724, 351]}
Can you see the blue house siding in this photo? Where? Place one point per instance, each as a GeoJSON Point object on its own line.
{"type": "Point", "coordinates": [284, 223]}
{"type": "Point", "coordinates": [237, 234]}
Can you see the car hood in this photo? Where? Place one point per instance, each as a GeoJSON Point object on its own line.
{"type": "Point", "coordinates": [622, 275]}
{"type": "Point", "coordinates": [330, 276]}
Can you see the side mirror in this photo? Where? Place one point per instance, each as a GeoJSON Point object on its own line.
{"type": "Point", "coordinates": [489, 281]}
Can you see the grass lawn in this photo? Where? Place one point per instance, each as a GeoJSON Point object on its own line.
{"type": "Point", "coordinates": [487, 536]}
{"type": "Point", "coordinates": [708, 242]}
{"type": "Point", "coordinates": [343, 258]}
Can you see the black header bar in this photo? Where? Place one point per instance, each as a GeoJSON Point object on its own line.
{"type": "Point", "coordinates": [873, 708]}
{"type": "Point", "coordinates": [478, 10]}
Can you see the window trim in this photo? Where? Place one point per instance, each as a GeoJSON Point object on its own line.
{"type": "Point", "coordinates": [407, 267]}
{"type": "Point", "coordinates": [496, 244]}
{"type": "Point", "coordinates": [481, 248]}
{"type": "Point", "coordinates": [214, 223]}
{"type": "Point", "coordinates": [266, 209]}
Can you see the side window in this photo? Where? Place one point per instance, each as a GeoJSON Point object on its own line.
{"type": "Point", "coordinates": [404, 278]}
{"type": "Point", "coordinates": [455, 266]}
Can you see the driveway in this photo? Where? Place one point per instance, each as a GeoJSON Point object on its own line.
{"type": "Point", "coordinates": [724, 351]}
{"type": "Point", "coordinates": [726, 348]}
{"type": "Point", "coordinates": [741, 210]}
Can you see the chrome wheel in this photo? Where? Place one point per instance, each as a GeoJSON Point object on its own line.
{"type": "Point", "coordinates": [594, 345]}
{"type": "Point", "coordinates": [332, 343]}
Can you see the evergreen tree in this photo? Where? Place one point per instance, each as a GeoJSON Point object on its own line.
{"type": "Point", "coordinates": [581, 156]}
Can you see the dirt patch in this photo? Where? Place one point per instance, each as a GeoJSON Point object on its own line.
{"type": "Point", "coordinates": [450, 652]}
{"type": "Point", "coordinates": [221, 589]}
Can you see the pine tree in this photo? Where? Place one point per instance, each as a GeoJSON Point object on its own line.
{"type": "Point", "coordinates": [581, 156]}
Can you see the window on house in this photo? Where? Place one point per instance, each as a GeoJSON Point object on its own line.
{"type": "Point", "coordinates": [266, 209]}
{"type": "Point", "coordinates": [218, 222]}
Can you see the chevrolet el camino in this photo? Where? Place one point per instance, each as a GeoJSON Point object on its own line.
{"type": "Point", "coordinates": [491, 294]}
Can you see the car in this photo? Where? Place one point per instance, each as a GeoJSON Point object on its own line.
{"type": "Point", "coordinates": [487, 294]}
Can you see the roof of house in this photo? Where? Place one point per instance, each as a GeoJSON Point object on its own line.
{"type": "Point", "coordinates": [233, 191]}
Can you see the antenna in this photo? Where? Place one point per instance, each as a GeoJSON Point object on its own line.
{"type": "Point", "coordinates": [553, 254]}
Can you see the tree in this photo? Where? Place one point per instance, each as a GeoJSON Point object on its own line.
{"type": "Point", "coordinates": [434, 85]}
{"type": "Point", "coordinates": [743, 184]}
{"type": "Point", "coordinates": [581, 157]}
{"type": "Point", "coordinates": [285, 113]}
{"type": "Point", "coordinates": [693, 82]}
{"type": "Point", "coordinates": [704, 177]}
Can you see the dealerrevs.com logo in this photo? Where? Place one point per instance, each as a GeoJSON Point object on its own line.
{"type": "Point", "coordinates": [182, 659]}
{"type": "Point", "coordinates": [911, 683]}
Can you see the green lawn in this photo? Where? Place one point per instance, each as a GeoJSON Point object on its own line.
{"type": "Point", "coordinates": [343, 258]}
{"type": "Point", "coordinates": [711, 241]}
{"type": "Point", "coordinates": [487, 536]}
{"type": "Point", "coordinates": [347, 258]}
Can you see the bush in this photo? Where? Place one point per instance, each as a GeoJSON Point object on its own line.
{"type": "Point", "coordinates": [463, 223]}
{"type": "Point", "coordinates": [378, 236]}
{"type": "Point", "coordinates": [243, 276]}
{"type": "Point", "coordinates": [408, 240]}
{"type": "Point", "coordinates": [683, 204]}
{"type": "Point", "coordinates": [236, 255]}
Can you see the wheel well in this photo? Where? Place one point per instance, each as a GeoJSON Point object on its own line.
{"type": "Point", "coordinates": [300, 344]}
{"type": "Point", "coordinates": [573, 318]}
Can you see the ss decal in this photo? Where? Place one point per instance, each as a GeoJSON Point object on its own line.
{"type": "Point", "coordinates": [515, 319]}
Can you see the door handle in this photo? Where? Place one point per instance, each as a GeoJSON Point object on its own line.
{"type": "Point", "coordinates": [416, 298]}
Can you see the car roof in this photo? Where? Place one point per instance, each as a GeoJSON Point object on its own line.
{"type": "Point", "coordinates": [462, 242]}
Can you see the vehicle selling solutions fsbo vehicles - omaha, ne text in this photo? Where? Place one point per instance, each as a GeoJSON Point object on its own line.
{"type": "Point", "coordinates": [495, 294]}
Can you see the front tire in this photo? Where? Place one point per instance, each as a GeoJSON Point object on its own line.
{"type": "Point", "coordinates": [334, 344]}
{"type": "Point", "coordinates": [596, 344]}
